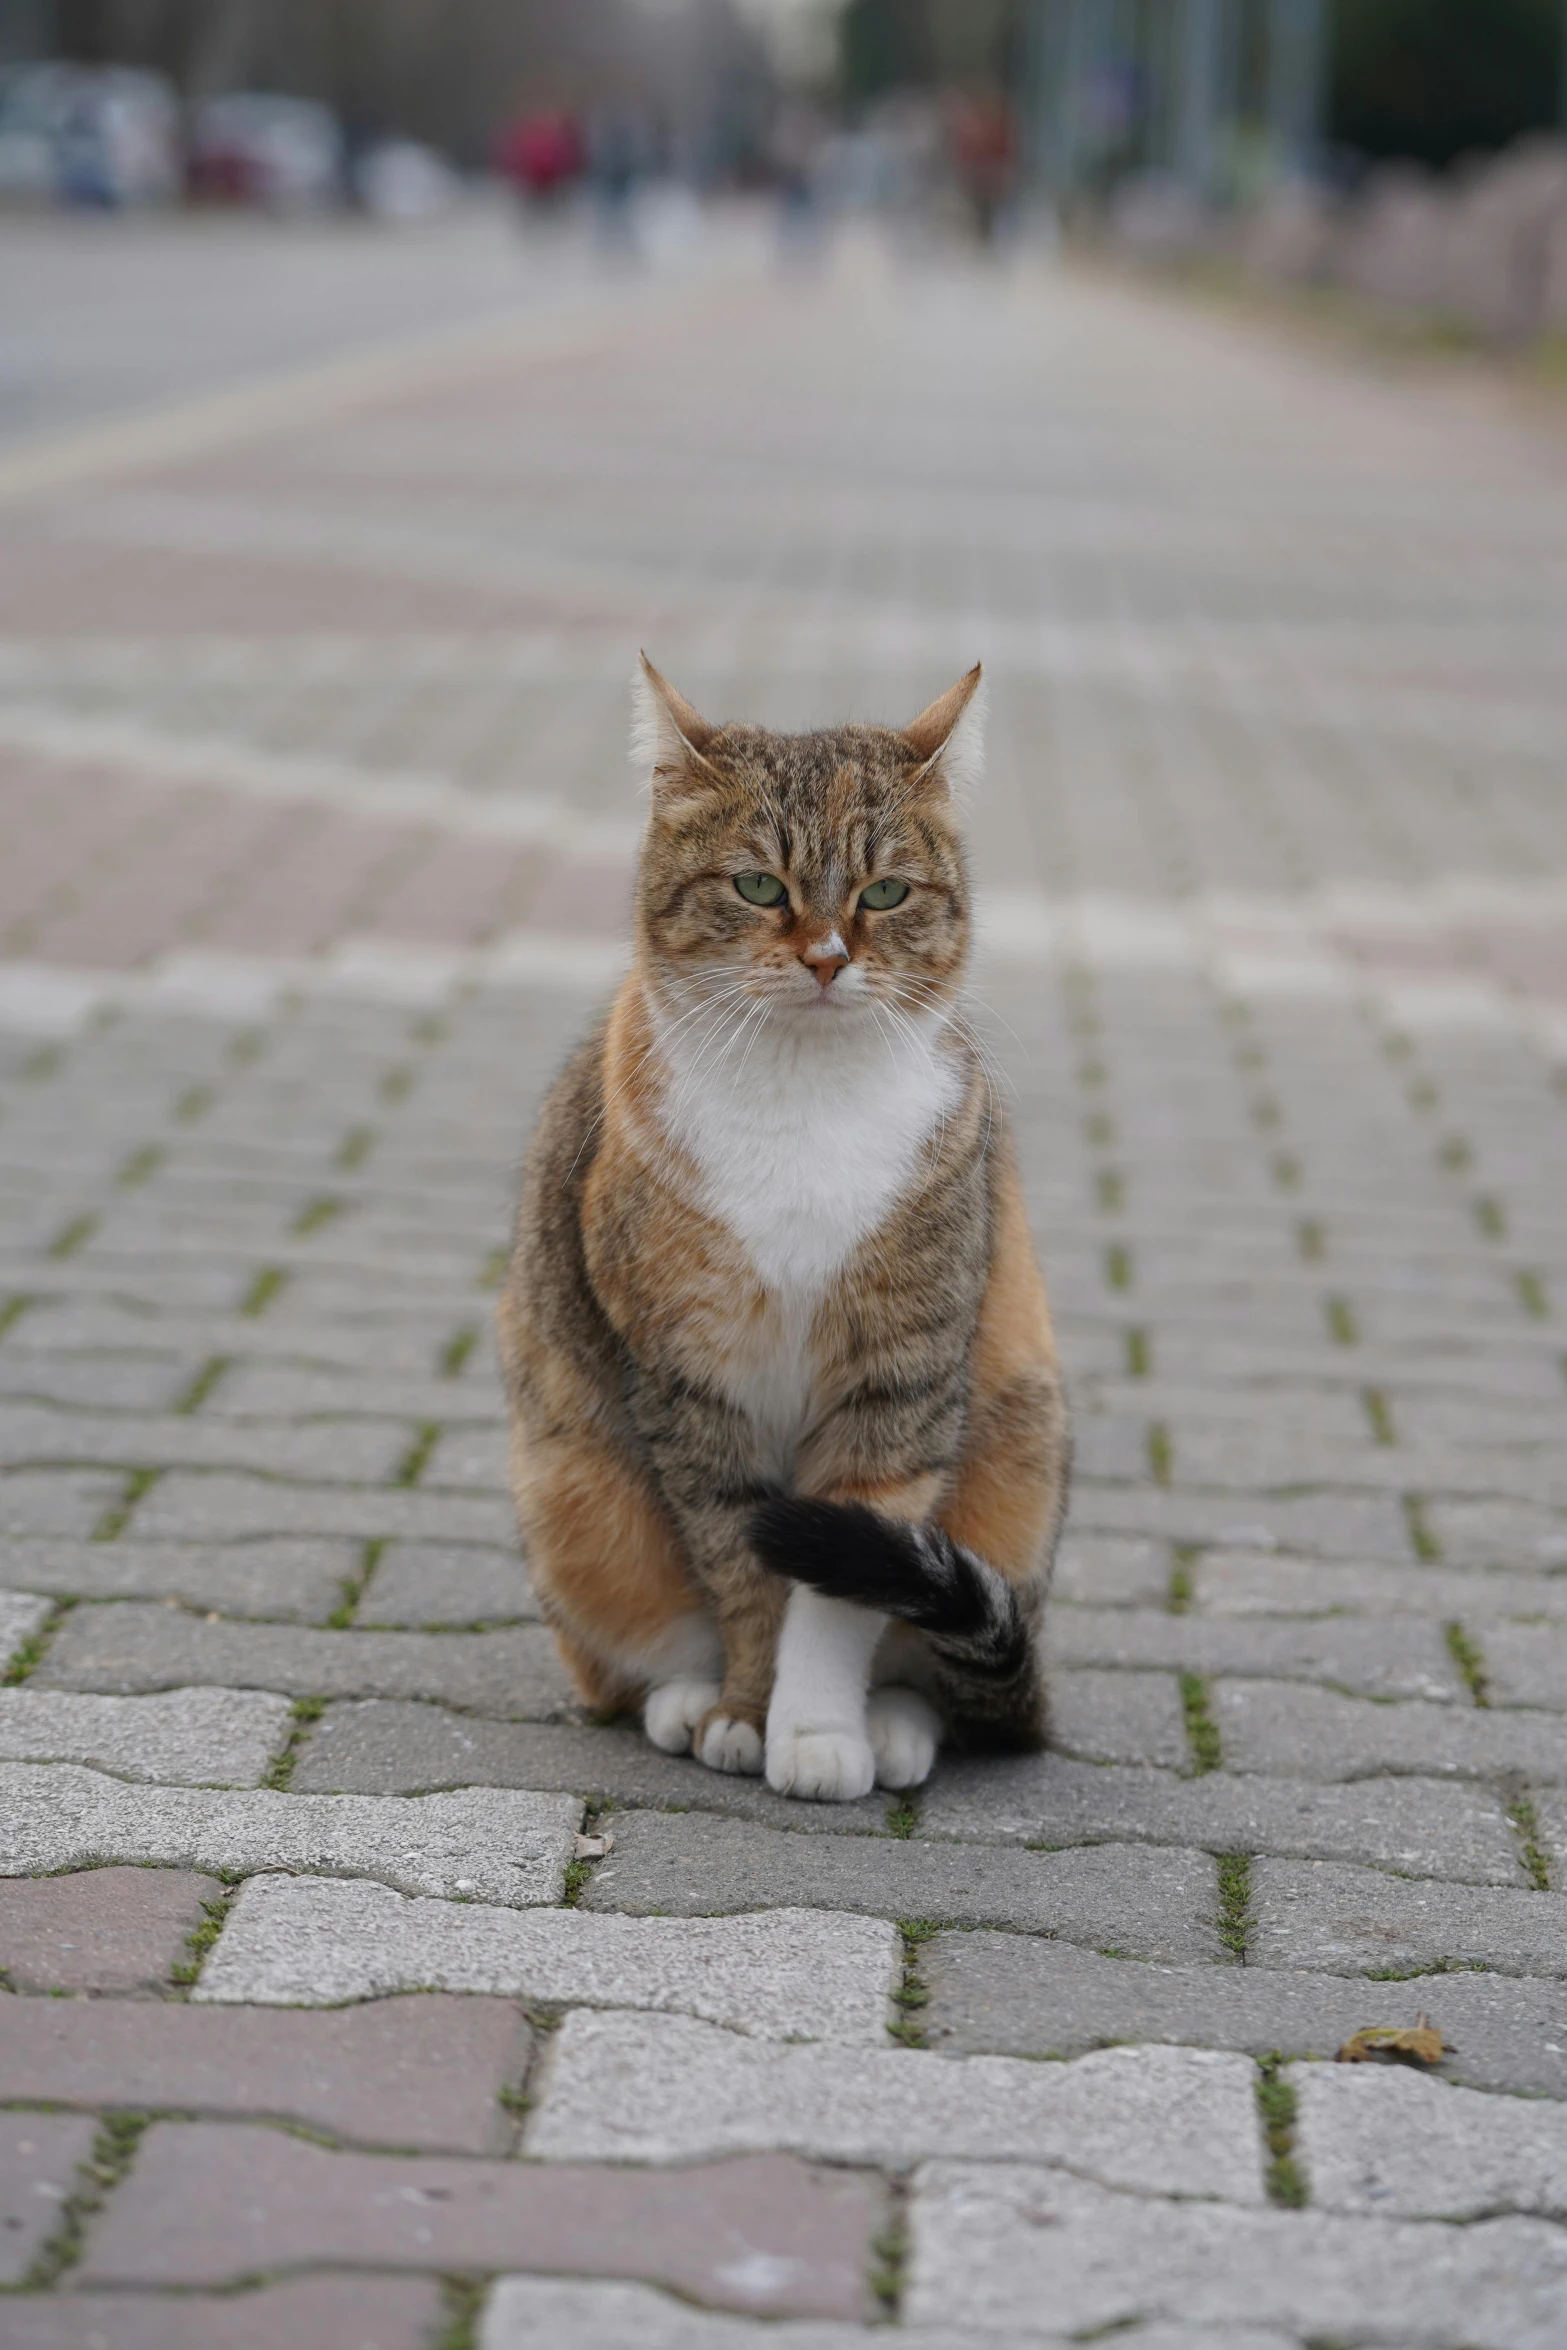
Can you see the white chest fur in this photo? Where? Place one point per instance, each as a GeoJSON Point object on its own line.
{"type": "Point", "coordinates": [805, 1135]}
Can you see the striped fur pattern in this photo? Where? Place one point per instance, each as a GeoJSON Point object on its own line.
{"type": "Point", "coordinates": [788, 1442]}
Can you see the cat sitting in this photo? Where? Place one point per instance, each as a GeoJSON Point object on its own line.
{"type": "Point", "coordinates": [789, 1447]}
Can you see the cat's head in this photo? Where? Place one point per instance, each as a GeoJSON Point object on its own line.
{"type": "Point", "coordinates": [823, 873]}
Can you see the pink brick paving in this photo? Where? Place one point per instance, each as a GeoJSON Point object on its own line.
{"type": "Point", "coordinates": [317, 847]}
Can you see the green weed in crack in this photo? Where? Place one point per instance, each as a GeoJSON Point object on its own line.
{"type": "Point", "coordinates": [1421, 1537]}
{"type": "Point", "coordinates": [264, 1288]}
{"type": "Point", "coordinates": [1235, 1919]}
{"type": "Point", "coordinates": [911, 1994]}
{"type": "Point", "coordinates": [1467, 1656]}
{"type": "Point", "coordinates": [72, 1236]}
{"type": "Point", "coordinates": [315, 1214]}
{"type": "Point", "coordinates": [202, 1385]}
{"type": "Point", "coordinates": [1178, 1598]}
{"type": "Point", "coordinates": [352, 1587]}
{"type": "Point", "coordinates": [301, 1714]}
{"type": "Point", "coordinates": [461, 2300]}
{"type": "Point", "coordinates": [113, 2151]}
{"type": "Point", "coordinates": [455, 1353]}
{"type": "Point", "coordinates": [1286, 2181]}
{"type": "Point", "coordinates": [1526, 1827]}
{"type": "Point", "coordinates": [200, 1940]}
{"type": "Point", "coordinates": [138, 1484]}
{"type": "Point", "coordinates": [29, 1654]}
{"type": "Point", "coordinates": [355, 1147]}
{"type": "Point", "coordinates": [1202, 1731]}
{"type": "Point", "coordinates": [890, 2254]}
{"type": "Point", "coordinates": [11, 1313]}
{"type": "Point", "coordinates": [412, 1466]}
{"type": "Point", "coordinates": [903, 1815]}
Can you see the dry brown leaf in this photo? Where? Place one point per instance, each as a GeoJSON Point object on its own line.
{"type": "Point", "coordinates": [1418, 2043]}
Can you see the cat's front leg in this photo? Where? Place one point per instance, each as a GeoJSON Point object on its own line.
{"type": "Point", "coordinates": [818, 1740]}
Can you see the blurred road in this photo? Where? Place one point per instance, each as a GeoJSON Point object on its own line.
{"type": "Point", "coordinates": [318, 834]}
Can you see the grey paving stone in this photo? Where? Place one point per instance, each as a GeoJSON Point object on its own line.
{"type": "Point", "coordinates": [424, 2072]}
{"type": "Point", "coordinates": [781, 1974]}
{"type": "Point", "coordinates": [523, 2312]}
{"type": "Point", "coordinates": [1526, 1664]}
{"type": "Point", "coordinates": [1097, 1570]}
{"type": "Point", "coordinates": [191, 1738]}
{"type": "Point", "coordinates": [1347, 1920]}
{"type": "Point", "coordinates": [1118, 1717]}
{"type": "Point", "coordinates": [207, 2203]}
{"type": "Point", "coordinates": [1012, 1994]}
{"type": "Point", "coordinates": [1404, 1658]}
{"type": "Point", "coordinates": [311, 2313]}
{"type": "Point", "coordinates": [22, 1613]}
{"type": "Point", "coordinates": [473, 1460]}
{"type": "Point", "coordinates": [993, 2243]}
{"type": "Point", "coordinates": [1421, 1826]}
{"type": "Point", "coordinates": [1379, 2140]}
{"type": "Point", "coordinates": [126, 1645]}
{"type": "Point", "coordinates": [1272, 1727]}
{"type": "Point", "coordinates": [55, 1501]}
{"type": "Point", "coordinates": [280, 1391]}
{"type": "Point", "coordinates": [108, 1929]}
{"type": "Point", "coordinates": [287, 1580]}
{"type": "Point", "coordinates": [647, 2088]}
{"type": "Point", "coordinates": [1152, 1902]}
{"type": "Point", "coordinates": [1235, 1583]}
{"type": "Point", "coordinates": [39, 2153]}
{"type": "Point", "coordinates": [1348, 1525]}
{"type": "Point", "coordinates": [490, 1843]}
{"type": "Point", "coordinates": [339, 1452]}
{"type": "Point", "coordinates": [425, 1583]}
{"type": "Point", "coordinates": [149, 1383]}
{"type": "Point", "coordinates": [187, 1507]}
{"type": "Point", "coordinates": [381, 1747]}
{"type": "Point", "coordinates": [1499, 1534]}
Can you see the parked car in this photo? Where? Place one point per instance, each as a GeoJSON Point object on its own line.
{"type": "Point", "coordinates": [104, 136]}
{"type": "Point", "coordinates": [254, 147]}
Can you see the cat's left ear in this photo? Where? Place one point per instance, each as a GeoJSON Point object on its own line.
{"type": "Point", "coordinates": [668, 737]}
{"type": "Point", "coordinates": [950, 735]}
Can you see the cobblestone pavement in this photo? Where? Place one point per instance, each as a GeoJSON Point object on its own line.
{"type": "Point", "coordinates": [394, 2003]}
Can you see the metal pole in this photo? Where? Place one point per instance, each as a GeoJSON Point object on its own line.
{"type": "Point", "coordinates": [1297, 63]}
{"type": "Point", "coordinates": [1197, 107]}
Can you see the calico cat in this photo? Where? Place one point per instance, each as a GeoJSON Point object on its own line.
{"type": "Point", "coordinates": [789, 1450]}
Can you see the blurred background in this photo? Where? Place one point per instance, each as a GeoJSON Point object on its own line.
{"type": "Point", "coordinates": [1406, 152]}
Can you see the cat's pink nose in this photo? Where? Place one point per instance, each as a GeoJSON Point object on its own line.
{"type": "Point", "coordinates": [826, 957]}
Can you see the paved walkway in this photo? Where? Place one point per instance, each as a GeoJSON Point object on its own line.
{"type": "Point", "coordinates": [392, 2003]}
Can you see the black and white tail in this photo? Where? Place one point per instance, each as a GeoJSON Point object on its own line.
{"type": "Point", "coordinates": [977, 1622]}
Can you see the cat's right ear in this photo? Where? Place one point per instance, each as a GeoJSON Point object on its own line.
{"type": "Point", "coordinates": [668, 737]}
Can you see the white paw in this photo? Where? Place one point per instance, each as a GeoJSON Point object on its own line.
{"type": "Point", "coordinates": [905, 1730]}
{"type": "Point", "coordinates": [673, 1711]}
{"type": "Point", "coordinates": [826, 1766]}
{"type": "Point", "coordinates": [728, 1745]}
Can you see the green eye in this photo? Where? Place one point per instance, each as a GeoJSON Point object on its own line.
{"type": "Point", "coordinates": [760, 889]}
{"type": "Point", "coordinates": [882, 894]}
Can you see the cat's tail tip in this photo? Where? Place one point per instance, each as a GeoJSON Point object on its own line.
{"type": "Point", "coordinates": [918, 1573]}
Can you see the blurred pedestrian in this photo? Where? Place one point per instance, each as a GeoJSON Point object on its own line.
{"type": "Point", "coordinates": [983, 150]}
{"type": "Point", "coordinates": [541, 154]}
{"type": "Point", "coordinates": [619, 151]}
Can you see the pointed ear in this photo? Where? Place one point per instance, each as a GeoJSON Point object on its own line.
{"type": "Point", "coordinates": [668, 737]}
{"type": "Point", "coordinates": [951, 733]}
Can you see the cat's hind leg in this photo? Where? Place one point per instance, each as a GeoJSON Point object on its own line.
{"type": "Point", "coordinates": [627, 1613]}
{"type": "Point", "coordinates": [904, 1729]}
